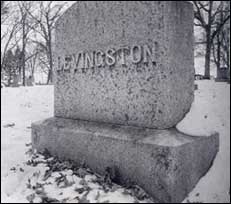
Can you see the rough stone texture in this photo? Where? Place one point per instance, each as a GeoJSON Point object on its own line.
{"type": "Point", "coordinates": [155, 95]}
{"type": "Point", "coordinates": [166, 163]}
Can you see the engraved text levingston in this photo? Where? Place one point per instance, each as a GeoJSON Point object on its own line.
{"type": "Point", "coordinates": [99, 58]}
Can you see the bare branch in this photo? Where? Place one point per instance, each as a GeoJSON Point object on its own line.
{"type": "Point", "coordinates": [198, 15]}
{"type": "Point", "coordinates": [220, 27]}
{"type": "Point", "coordinates": [202, 6]}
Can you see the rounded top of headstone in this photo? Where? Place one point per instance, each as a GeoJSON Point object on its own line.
{"type": "Point", "coordinates": [127, 62]}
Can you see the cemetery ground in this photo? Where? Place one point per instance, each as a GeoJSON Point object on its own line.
{"type": "Point", "coordinates": [30, 177]}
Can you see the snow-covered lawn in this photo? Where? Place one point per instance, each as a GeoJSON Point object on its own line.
{"type": "Point", "coordinates": [29, 177]}
{"type": "Point", "coordinates": [210, 113]}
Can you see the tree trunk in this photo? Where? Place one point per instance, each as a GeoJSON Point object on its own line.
{"type": "Point", "coordinates": [218, 52]}
{"type": "Point", "coordinates": [20, 72]}
{"type": "Point", "coordinates": [209, 41]}
{"type": "Point", "coordinates": [49, 76]}
{"type": "Point", "coordinates": [207, 56]}
{"type": "Point", "coordinates": [23, 55]}
{"type": "Point", "coordinates": [50, 54]}
{"type": "Point", "coordinates": [228, 63]}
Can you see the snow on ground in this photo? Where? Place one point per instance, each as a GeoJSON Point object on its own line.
{"type": "Point", "coordinates": [210, 112]}
{"type": "Point", "coordinates": [20, 107]}
{"type": "Point", "coordinates": [30, 177]}
{"type": "Point", "coordinates": [26, 176]}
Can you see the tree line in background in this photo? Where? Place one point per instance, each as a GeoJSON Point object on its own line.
{"type": "Point", "coordinates": [27, 36]}
{"type": "Point", "coordinates": [213, 17]}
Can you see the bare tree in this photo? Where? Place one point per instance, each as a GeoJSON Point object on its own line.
{"type": "Point", "coordinates": [8, 36]}
{"type": "Point", "coordinates": [4, 11]}
{"type": "Point", "coordinates": [45, 20]}
{"type": "Point", "coordinates": [31, 61]}
{"type": "Point", "coordinates": [225, 39]}
{"type": "Point", "coordinates": [9, 29]}
{"type": "Point", "coordinates": [206, 13]}
{"type": "Point", "coordinates": [26, 25]}
{"type": "Point", "coordinates": [221, 44]}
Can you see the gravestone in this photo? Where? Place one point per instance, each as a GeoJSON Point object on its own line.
{"type": "Point", "coordinates": [124, 77]}
{"type": "Point", "coordinates": [15, 82]}
{"type": "Point", "coordinates": [124, 63]}
{"type": "Point", "coordinates": [222, 74]}
{"type": "Point", "coordinates": [29, 81]}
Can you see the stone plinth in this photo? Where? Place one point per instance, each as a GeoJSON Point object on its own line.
{"type": "Point", "coordinates": [125, 62]}
{"type": "Point", "coordinates": [166, 163]}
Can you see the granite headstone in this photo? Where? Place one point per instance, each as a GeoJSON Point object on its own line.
{"type": "Point", "coordinates": [125, 63]}
{"type": "Point", "coordinates": [124, 77]}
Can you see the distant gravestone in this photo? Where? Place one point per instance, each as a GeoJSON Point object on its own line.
{"type": "Point", "coordinates": [124, 73]}
{"type": "Point", "coordinates": [30, 81]}
{"type": "Point", "coordinates": [15, 82]}
{"type": "Point", "coordinates": [222, 74]}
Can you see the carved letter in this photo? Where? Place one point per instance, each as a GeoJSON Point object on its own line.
{"type": "Point", "coordinates": [99, 58]}
{"type": "Point", "coordinates": [123, 55]}
{"type": "Point", "coordinates": [148, 52]}
{"type": "Point", "coordinates": [59, 64]}
{"type": "Point", "coordinates": [68, 63]}
{"type": "Point", "coordinates": [110, 58]}
{"type": "Point", "coordinates": [136, 59]}
{"type": "Point", "coordinates": [89, 60]}
{"type": "Point", "coordinates": [78, 61]}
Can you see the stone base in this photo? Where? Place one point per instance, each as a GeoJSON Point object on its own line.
{"type": "Point", "coordinates": [165, 163]}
